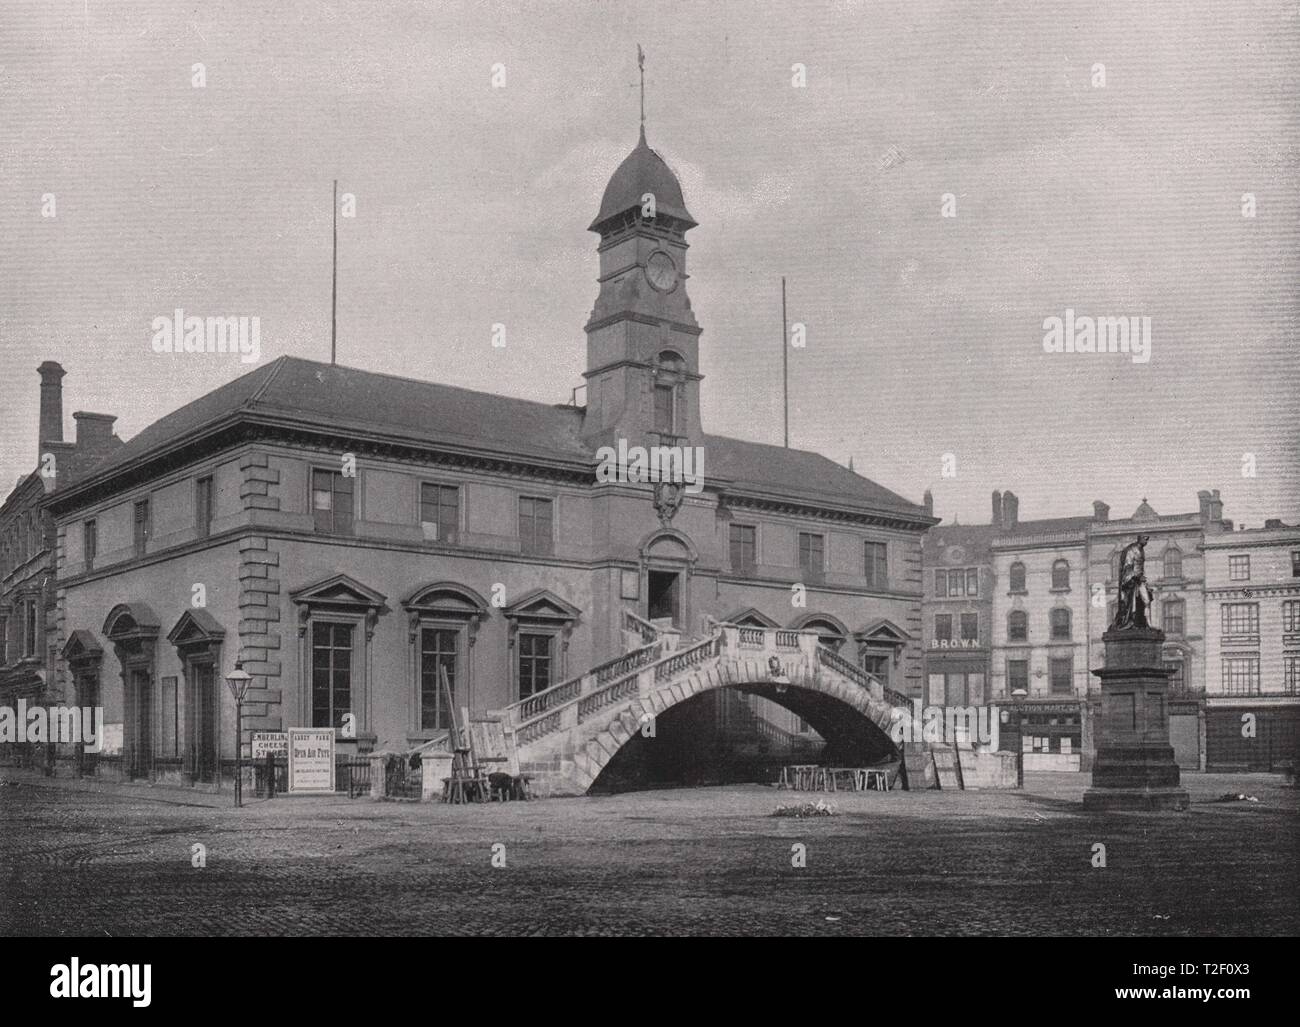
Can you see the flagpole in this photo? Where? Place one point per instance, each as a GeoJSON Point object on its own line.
{"type": "Point", "coordinates": [334, 279]}
{"type": "Point", "coordinates": [785, 368]}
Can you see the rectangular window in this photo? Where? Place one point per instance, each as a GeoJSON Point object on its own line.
{"type": "Point", "coordinates": [29, 628]}
{"type": "Point", "coordinates": [1241, 675]}
{"type": "Point", "coordinates": [534, 663]}
{"type": "Point", "coordinates": [331, 505]}
{"type": "Point", "coordinates": [1062, 674]}
{"type": "Point", "coordinates": [1171, 616]}
{"type": "Point", "coordinates": [1241, 619]}
{"type": "Point", "coordinates": [1291, 616]}
{"type": "Point", "coordinates": [1239, 568]}
{"type": "Point", "coordinates": [1018, 626]}
{"type": "Point", "coordinates": [1017, 675]}
{"type": "Point", "coordinates": [203, 506]}
{"type": "Point", "coordinates": [90, 543]}
{"type": "Point", "coordinates": [941, 583]}
{"type": "Point", "coordinates": [438, 648]}
{"type": "Point", "coordinates": [956, 583]}
{"type": "Point", "coordinates": [536, 526]}
{"type": "Point", "coordinates": [440, 512]}
{"type": "Point", "coordinates": [664, 420]}
{"type": "Point", "coordinates": [1177, 680]}
{"type": "Point", "coordinates": [331, 673]}
{"type": "Point", "coordinates": [970, 627]}
{"type": "Point", "coordinates": [1291, 674]}
{"type": "Point", "coordinates": [1060, 620]}
{"type": "Point", "coordinates": [812, 555]}
{"type": "Point", "coordinates": [1295, 563]}
{"type": "Point", "coordinates": [972, 581]}
{"type": "Point", "coordinates": [743, 543]}
{"type": "Point", "coordinates": [876, 565]}
{"type": "Point", "coordinates": [142, 526]}
{"type": "Point", "coordinates": [943, 627]}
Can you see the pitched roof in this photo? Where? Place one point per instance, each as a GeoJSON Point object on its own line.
{"type": "Point", "coordinates": [308, 392]}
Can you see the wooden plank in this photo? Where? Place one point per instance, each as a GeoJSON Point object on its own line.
{"type": "Point", "coordinates": [946, 771]}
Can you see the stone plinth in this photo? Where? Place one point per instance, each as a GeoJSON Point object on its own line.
{"type": "Point", "coordinates": [1134, 767]}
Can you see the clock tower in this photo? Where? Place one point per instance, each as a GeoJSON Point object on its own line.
{"type": "Point", "coordinates": [643, 380]}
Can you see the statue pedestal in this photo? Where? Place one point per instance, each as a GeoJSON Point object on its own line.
{"type": "Point", "coordinates": [1134, 768]}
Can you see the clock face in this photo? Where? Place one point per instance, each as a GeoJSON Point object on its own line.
{"type": "Point", "coordinates": [660, 271]}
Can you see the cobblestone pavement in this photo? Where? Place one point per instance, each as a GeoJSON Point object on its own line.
{"type": "Point", "coordinates": [78, 858]}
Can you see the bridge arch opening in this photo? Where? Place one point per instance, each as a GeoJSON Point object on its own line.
{"type": "Point", "coordinates": [693, 745]}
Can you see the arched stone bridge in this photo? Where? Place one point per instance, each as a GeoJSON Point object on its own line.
{"type": "Point", "coordinates": [567, 734]}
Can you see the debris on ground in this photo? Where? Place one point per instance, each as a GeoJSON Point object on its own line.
{"type": "Point", "coordinates": [820, 808]}
{"type": "Point", "coordinates": [1236, 797]}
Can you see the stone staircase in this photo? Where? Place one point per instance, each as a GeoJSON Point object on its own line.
{"type": "Point", "coordinates": [567, 734]}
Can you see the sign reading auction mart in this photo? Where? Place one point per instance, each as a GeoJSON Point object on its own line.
{"type": "Point", "coordinates": [311, 760]}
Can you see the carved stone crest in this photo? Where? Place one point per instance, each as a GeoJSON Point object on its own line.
{"type": "Point", "coordinates": [668, 498]}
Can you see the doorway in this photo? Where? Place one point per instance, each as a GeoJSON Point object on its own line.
{"type": "Point", "coordinates": [204, 719]}
{"type": "Point", "coordinates": [663, 594]}
{"type": "Point", "coordinates": [141, 743]}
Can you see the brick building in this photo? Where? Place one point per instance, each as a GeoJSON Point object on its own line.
{"type": "Point", "coordinates": [28, 629]}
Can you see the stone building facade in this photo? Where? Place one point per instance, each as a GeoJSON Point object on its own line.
{"type": "Point", "coordinates": [347, 533]}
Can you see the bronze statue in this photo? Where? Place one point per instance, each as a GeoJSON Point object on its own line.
{"type": "Point", "coordinates": [1134, 592]}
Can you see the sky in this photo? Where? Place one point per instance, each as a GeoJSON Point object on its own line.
{"type": "Point", "coordinates": [924, 332]}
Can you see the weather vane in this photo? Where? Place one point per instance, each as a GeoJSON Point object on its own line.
{"type": "Point", "coordinates": [640, 63]}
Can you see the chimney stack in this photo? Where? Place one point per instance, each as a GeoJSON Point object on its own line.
{"type": "Point", "coordinates": [1100, 511]}
{"type": "Point", "coordinates": [997, 509]}
{"type": "Point", "coordinates": [928, 502]}
{"type": "Point", "coordinates": [51, 426]}
{"type": "Point", "coordinates": [94, 432]}
{"type": "Point", "coordinates": [1216, 507]}
{"type": "Point", "coordinates": [1010, 510]}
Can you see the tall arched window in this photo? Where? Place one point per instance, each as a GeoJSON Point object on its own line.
{"type": "Point", "coordinates": [1017, 626]}
{"type": "Point", "coordinates": [1017, 577]}
{"type": "Point", "coordinates": [1061, 574]}
{"type": "Point", "coordinates": [1173, 563]}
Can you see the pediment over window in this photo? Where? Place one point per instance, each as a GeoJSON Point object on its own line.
{"type": "Point", "coordinates": [447, 597]}
{"type": "Point", "coordinates": [196, 627]}
{"type": "Point", "coordinates": [543, 605]}
{"type": "Point", "coordinates": [340, 591]}
{"type": "Point", "coordinates": [883, 632]}
{"type": "Point", "coordinates": [751, 618]}
{"type": "Point", "coordinates": [82, 645]}
{"type": "Point", "coordinates": [823, 623]}
{"type": "Point", "coordinates": [127, 621]}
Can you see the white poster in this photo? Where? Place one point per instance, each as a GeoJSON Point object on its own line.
{"type": "Point", "coordinates": [311, 760]}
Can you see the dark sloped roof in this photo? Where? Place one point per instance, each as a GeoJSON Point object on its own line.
{"type": "Point", "coordinates": [795, 471]}
{"type": "Point", "coordinates": [642, 171]}
{"type": "Point", "coordinates": [312, 393]}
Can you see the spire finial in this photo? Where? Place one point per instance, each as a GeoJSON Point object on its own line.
{"type": "Point", "coordinates": [640, 63]}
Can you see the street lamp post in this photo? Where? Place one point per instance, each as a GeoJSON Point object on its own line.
{"type": "Point", "coordinates": [238, 681]}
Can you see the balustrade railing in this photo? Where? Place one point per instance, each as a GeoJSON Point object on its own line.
{"type": "Point", "coordinates": [626, 663]}
{"type": "Point", "coordinates": [538, 703]}
{"type": "Point", "coordinates": [634, 622]}
{"type": "Point", "coordinates": [752, 638]}
{"type": "Point", "coordinates": [598, 700]}
{"type": "Point", "coordinates": [868, 681]}
{"type": "Point", "coordinates": [688, 657]}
